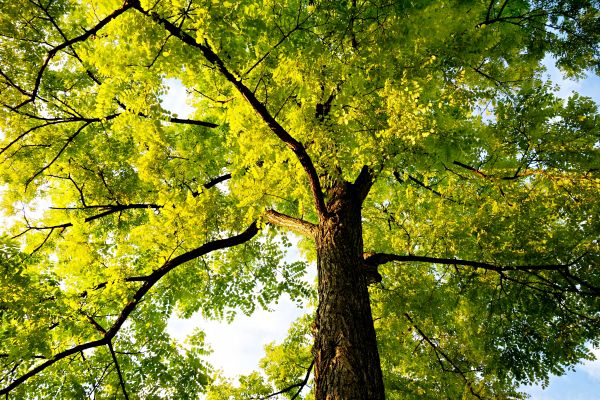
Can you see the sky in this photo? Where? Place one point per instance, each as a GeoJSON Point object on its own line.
{"type": "Point", "coordinates": [237, 347]}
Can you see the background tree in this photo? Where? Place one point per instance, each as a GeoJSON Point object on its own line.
{"type": "Point", "coordinates": [413, 144]}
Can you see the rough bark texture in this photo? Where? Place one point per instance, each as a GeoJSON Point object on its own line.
{"type": "Point", "coordinates": [346, 357]}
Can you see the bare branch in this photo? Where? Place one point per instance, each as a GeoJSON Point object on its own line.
{"type": "Point", "coordinates": [119, 373]}
{"type": "Point", "coordinates": [295, 225]}
{"type": "Point", "coordinates": [299, 385]}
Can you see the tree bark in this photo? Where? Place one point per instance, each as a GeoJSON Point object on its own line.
{"type": "Point", "coordinates": [347, 365]}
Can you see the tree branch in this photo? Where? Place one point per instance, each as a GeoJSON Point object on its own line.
{"type": "Point", "coordinates": [135, 299]}
{"type": "Point", "coordinates": [256, 104]}
{"type": "Point", "coordinates": [363, 182]}
{"type": "Point", "coordinates": [217, 180]}
{"type": "Point", "coordinates": [295, 225]}
{"type": "Point", "coordinates": [118, 368]}
{"type": "Point", "coordinates": [423, 185]}
{"type": "Point", "coordinates": [110, 209]}
{"type": "Point", "coordinates": [295, 385]}
{"type": "Point", "coordinates": [436, 349]}
{"type": "Point", "coordinates": [68, 141]}
{"type": "Point", "coordinates": [126, 5]}
{"type": "Point", "coordinates": [193, 122]}
{"type": "Point", "coordinates": [374, 259]}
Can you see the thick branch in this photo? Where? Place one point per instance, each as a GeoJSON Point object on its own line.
{"type": "Point", "coordinates": [217, 180]}
{"type": "Point", "coordinates": [295, 225]}
{"type": "Point", "coordinates": [192, 122]}
{"type": "Point", "coordinates": [137, 297]}
{"type": "Point", "coordinates": [256, 104]}
{"type": "Point", "coordinates": [375, 259]}
{"type": "Point", "coordinates": [363, 182]}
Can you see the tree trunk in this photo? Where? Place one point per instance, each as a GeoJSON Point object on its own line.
{"type": "Point", "coordinates": [347, 365]}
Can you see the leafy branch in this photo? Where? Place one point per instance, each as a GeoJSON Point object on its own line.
{"type": "Point", "coordinates": [382, 258]}
{"type": "Point", "coordinates": [134, 301]}
{"type": "Point", "coordinates": [67, 44]}
{"type": "Point", "coordinates": [299, 385]}
{"type": "Point", "coordinates": [108, 209]}
{"type": "Point", "coordinates": [257, 105]}
{"type": "Point", "coordinates": [376, 259]}
{"type": "Point", "coordinates": [441, 355]}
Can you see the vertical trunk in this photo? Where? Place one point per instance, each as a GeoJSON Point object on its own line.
{"type": "Point", "coordinates": [347, 365]}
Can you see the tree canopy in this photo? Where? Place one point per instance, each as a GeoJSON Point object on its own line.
{"type": "Point", "coordinates": [470, 188]}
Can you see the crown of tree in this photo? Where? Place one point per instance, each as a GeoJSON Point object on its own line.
{"type": "Point", "coordinates": [447, 195]}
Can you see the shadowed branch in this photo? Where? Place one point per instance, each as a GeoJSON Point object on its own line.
{"type": "Point", "coordinates": [441, 356]}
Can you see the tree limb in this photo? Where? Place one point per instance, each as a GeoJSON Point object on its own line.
{"type": "Point", "coordinates": [217, 180]}
{"type": "Point", "coordinates": [279, 131]}
{"type": "Point", "coordinates": [192, 122]}
{"type": "Point", "coordinates": [438, 351]}
{"type": "Point", "coordinates": [110, 209]}
{"type": "Point", "coordinates": [119, 373]}
{"type": "Point", "coordinates": [295, 225]}
{"type": "Point", "coordinates": [363, 182]}
{"type": "Point", "coordinates": [68, 141]}
{"type": "Point", "coordinates": [375, 259]}
{"type": "Point", "coordinates": [135, 299]}
{"type": "Point", "coordinates": [295, 385]}
{"type": "Point", "coordinates": [87, 33]}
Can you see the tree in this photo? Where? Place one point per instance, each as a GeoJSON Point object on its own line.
{"type": "Point", "coordinates": [437, 181]}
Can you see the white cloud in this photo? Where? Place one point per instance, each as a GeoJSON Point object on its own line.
{"type": "Point", "coordinates": [237, 347]}
{"type": "Point", "coordinates": [592, 368]}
